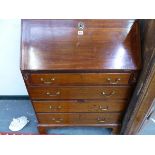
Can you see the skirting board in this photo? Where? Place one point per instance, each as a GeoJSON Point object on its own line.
{"type": "Point", "coordinates": [14, 97]}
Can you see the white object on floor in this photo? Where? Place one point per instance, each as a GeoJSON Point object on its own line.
{"type": "Point", "coordinates": [18, 123]}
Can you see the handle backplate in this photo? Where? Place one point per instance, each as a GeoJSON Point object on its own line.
{"type": "Point", "coordinates": [108, 94]}
{"type": "Point", "coordinates": [57, 120]}
{"type": "Point", "coordinates": [53, 94]}
{"type": "Point", "coordinates": [113, 82]}
{"type": "Point", "coordinates": [47, 81]}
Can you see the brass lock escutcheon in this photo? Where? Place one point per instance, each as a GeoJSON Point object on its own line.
{"type": "Point", "coordinates": [81, 26]}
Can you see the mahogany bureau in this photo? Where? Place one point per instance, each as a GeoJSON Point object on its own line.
{"type": "Point", "coordinates": [80, 72]}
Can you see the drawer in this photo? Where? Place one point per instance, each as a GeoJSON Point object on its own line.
{"type": "Point", "coordinates": [79, 79]}
{"type": "Point", "coordinates": [80, 106]}
{"type": "Point", "coordinates": [79, 118]}
{"type": "Point", "coordinates": [91, 92]}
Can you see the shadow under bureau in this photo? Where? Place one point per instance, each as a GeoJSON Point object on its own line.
{"type": "Point", "coordinates": [80, 72]}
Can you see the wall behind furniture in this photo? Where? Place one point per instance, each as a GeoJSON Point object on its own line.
{"type": "Point", "coordinates": [11, 82]}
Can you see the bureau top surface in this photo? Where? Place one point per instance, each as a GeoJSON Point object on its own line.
{"type": "Point", "coordinates": [80, 45]}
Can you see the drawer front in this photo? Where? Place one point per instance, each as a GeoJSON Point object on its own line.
{"type": "Point", "coordinates": [80, 106]}
{"type": "Point", "coordinates": [101, 92]}
{"type": "Point", "coordinates": [79, 118]}
{"type": "Point", "coordinates": [79, 79]}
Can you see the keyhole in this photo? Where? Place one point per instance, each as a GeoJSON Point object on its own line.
{"type": "Point", "coordinates": [81, 25]}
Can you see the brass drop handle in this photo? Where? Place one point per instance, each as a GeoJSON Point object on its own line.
{"type": "Point", "coordinates": [47, 81]}
{"type": "Point", "coordinates": [103, 108]}
{"type": "Point", "coordinates": [101, 120]}
{"type": "Point", "coordinates": [109, 94]}
{"type": "Point", "coordinates": [55, 94]}
{"type": "Point", "coordinates": [58, 107]}
{"type": "Point", "coordinates": [58, 120]}
{"type": "Point", "coordinates": [115, 82]}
